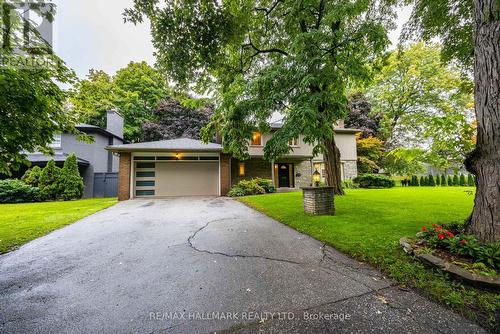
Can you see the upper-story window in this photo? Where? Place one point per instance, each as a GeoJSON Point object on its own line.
{"type": "Point", "coordinates": [256, 139]}
{"type": "Point", "coordinates": [293, 142]}
{"type": "Point", "coordinates": [56, 141]}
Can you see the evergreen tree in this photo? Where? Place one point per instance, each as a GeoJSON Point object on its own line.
{"type": "Point", "coordinates": [49, 180]}
{"type": "Point", "coordinates": [438, 180]}
{"type": "Point", "coordinates": [422, 181]}
{"type": "Point", "coordinates": [450, 181]}
{"type": "Point", "coordinates": [470, 180]}
{"type": "Point", "coordinates": [443, 180]}
{"type": "Point", "coordinates": [455, 180]}
{"type": "Point", "coordinates": [32, 176]}
{"type": "Point", "coordinates": [462, 182]}
{"type": "Point", "coordinates": [70, 182]}
{"type": "Point", "coordinates": [431, 182]}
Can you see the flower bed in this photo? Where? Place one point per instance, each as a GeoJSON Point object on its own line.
{"type": "Point", "coordinates": [450, 249]}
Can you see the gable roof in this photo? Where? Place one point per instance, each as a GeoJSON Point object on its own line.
{"type": "Point", "coordinates": [88, 128]}
{"type": "Point", "coordinates": [179, 144]}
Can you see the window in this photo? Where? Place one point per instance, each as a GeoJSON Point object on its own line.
{"type": "Point", "coordinates": [56, 141]}
{"type": "Point", "coordinates": [144, 158]}
{"type": "Point", "coordinates": [145, 165]}
{"type": "Point", "coordinates": [242, 169]}
{"type": "Point", "coordinates": [144, 192]}
{"type": "Point", "coordinates": [293, 142]}
{"type": "Point", "coordinates": [145, 174]}
{"type": "Point", "coordinates": [256, 139]}
{"type": "Point", "coordinates": [145, 183]}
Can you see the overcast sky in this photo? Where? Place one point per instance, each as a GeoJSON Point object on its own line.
{"type": "Point", "coordinates": [91, 34]}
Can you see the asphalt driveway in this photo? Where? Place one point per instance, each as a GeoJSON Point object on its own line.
{"type": "Point", "coordinates": [199, 265]}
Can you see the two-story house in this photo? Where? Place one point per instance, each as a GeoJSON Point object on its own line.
{"type": "Point", "coordinates": [188, 167]}
{"type": "Point", "coordinates": [97, 166]}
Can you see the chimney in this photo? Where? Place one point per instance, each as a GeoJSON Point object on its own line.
{"type": "Point", "coordinates": [114, 123]}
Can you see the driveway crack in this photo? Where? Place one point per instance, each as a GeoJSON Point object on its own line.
{"type": "Point", "coordinates": [244, 256]}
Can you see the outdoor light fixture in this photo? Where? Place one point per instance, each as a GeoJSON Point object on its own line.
{"type": "Point", "coordinates": [177, 156]}
{"type": "Point", "coordinates": [316, 178]}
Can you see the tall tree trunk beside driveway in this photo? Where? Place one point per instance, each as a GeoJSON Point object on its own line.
{"type": "Point", "coordinates": [484, 161]}
{"type": "Point", "coordinates": [332, 164]}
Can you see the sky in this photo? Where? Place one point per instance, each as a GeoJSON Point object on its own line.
{"type": "Point", "coordinates": [91, 34]}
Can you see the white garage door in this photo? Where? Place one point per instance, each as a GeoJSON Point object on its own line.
{"type": "Point", "coordinates": [179, 179]}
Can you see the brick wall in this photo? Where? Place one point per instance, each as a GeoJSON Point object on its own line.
{"type": "Point", "coordinates": [225, 173]}
{"type": "Point", "coordinates": [318, 201]}
{"type": "Point", "coordinates": [124, 177]}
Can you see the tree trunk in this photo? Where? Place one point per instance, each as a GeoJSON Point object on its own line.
{"type": "Point", "coordinates": [331, 157]}
{"type": "Point", "coordinates": [484, 161]}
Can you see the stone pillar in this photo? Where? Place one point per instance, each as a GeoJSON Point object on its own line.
{"type": "Point", "coordinates": [124, 176]}
{"type": "Point", "coordinates": [318, 200]}
{"type": "Point", "coordinates": [225, 173]}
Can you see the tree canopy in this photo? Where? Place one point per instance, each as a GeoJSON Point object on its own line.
{"type": "Point", "coordinates": [262, 57]}
{"type": "Point", "coordinates": [135, 90]}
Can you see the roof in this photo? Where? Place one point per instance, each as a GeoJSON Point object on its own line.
{"type": "Point", "coordinates": [58, 157]}
{"type": "Point", "coordinates": [93, 128]}
{"type": "Point", "coordinates": [279, 125]}
{"type": "Point", "coordinates": [179, 144]}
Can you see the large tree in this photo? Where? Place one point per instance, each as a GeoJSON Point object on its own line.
{"type": "Point", "coordinates": [471, 33]}
{"type": "Point", "coordinates": [267, 56]}
{"type": "Point", "coordinates": [173, 119]}
{"type": "Point", "coordinates": [31, 100]}
{"type": "Point", "coordinates": [134, 90]}
{"type": "Point", "coordinates": [425, 103]}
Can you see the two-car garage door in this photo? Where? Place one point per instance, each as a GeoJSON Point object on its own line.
{"type": "Point", "coordinates": [177, 178]}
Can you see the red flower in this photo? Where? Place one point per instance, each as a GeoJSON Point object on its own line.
{"type": "Point", "coordinates": [463, 241]}
{"type": "Point", "coordinates": [441, 236]}
{"type": "Point", "coordinates": [439, 228]}
{"type": "Point", "coordinates": [451, 235]}
{"type": "Point", "coordinates": [433, 225]}
{"type": "Point", "coordinates": [424, 228]}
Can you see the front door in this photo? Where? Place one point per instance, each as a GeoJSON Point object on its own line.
{"type": "Point", "coordinates": [284, 175]}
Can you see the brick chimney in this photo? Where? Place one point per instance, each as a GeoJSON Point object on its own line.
{"type": "Point", "coordinates": [114, 123]}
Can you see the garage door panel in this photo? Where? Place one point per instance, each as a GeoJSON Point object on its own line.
{"type": "Point", "coordinates": [187, 179]}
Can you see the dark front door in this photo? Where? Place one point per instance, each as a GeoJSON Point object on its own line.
{"type": "Point", "coordinates": [284, 175]}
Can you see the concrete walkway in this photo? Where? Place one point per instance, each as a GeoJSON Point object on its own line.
{"type": "Point", "coordinates": [199, 265]}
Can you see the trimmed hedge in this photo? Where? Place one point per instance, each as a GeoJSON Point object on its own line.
{"type": "Point", "coordinates": [16, 191]}
{"type": "Point", "coordinates": [255, 186]}
{"type": "Point", "coordinates": [374, 181]}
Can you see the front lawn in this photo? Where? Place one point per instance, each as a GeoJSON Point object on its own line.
{"type": "Point", "coordinates": [368, 225]}
{"type": "Point", "coordinates": [20, 223]}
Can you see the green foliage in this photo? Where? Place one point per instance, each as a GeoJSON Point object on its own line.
{"type": "Point", "coordinates": [470, 180]}
{"type": "Point", "coordinates": [70, 183]}
{"type": "Point", "coordinates": [423, 100]}
{"type": "Point", "coordinates": [267, 184]}
{"type": "Point", "coordinates": [349, 184]}
{"type": "Point", "coordinates": [456, 182]}
{"type": "Point", "coordinates": [422, 181]}
{"type": "Point", "coordinates": [135, 91]}
{"type": "Point", "coordinates": [370, 152]}
{"type": "Point", "coordinates": [462, 181]}
{"type": "Point", "coordinates": [438, 180]}
{"type": "Point", "coordinates": [295, 58]}
{"type": "Point", "coordinates": [32, 176]}
{"type": "Point", "coordinates": [443, 180]}
{"type": "Point", "coordinates": [450, 180]}
{"type": "Point", "coordinates": [245, 188]}
{"type": "Point", "coordinates": [430, 181]}
{"type": "Point", "coordinates": [374, 181]}
{"type": "Point", "coordinates": [49, 181]}
{"type": "Point", "coordinates": [16, 191]}
{"type": "Point", "coordinates": [31, 100]}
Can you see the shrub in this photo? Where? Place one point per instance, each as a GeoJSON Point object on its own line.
{"type": "Point", "coordinates": [422, 181]}
{"type": "Point", "coordinates": [349, 184]}
{"type": "Point", "coordinates": [16, 191]}
{"type": "Point", "coordinates": [245, 188]}
{"type": "Point", "coordinates": [438, 180]}
{"type": "Point", "coordinates": [49, 181]}
{"type": "Point", "coordinates": [443, 180]}
{"type": "Point", "coordinates": [70, 183]}
{"type": "Point", "coordinates": [470, 180]}
{"type": "Point", "coordinates": [430, 181]}
{"type": "Point", "coordinates": [32, 176]}
{"type": "Point", "coordinates": [450, 181]}
{"type": "Point", "coordinates": [455, 180]}
{"type": "Point", "coordinates": [415, 182]}
{"type": "Point", "coordinates": [461, 182]}
{"type": "Point", "coordinates": [267, 184]}
{"type": "Point", "coordinates": [374, 181]}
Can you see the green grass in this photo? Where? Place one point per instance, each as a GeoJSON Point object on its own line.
{"type": "Point", "coordinates": [21, 223]}
{"type": "Point", "coordinates": [368, 224]}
